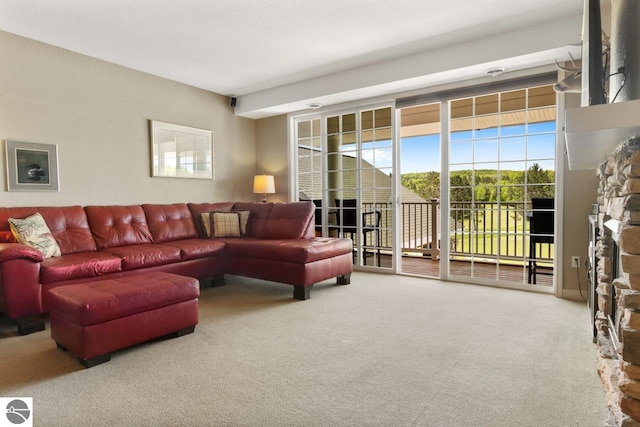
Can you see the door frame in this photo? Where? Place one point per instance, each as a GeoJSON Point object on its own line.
{"type": "Point", "coordinates": [293, 168]}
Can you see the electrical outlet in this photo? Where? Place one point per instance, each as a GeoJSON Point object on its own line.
{"type": "Point", "coordinates": [575, 261]}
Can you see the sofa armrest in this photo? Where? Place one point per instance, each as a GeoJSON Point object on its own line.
{"type": "Point", "coordinates": [11, 251]}
{"type": "Point", "coordinates": [20, 289]}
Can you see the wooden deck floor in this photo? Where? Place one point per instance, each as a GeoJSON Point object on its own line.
{"type": "Point", "coordinates": [424, 266]}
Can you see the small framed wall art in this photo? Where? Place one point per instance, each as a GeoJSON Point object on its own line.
{"type": "Point", "coordinates": [31, 166]}
{"type": "Point", "coordinates": [180, 151]}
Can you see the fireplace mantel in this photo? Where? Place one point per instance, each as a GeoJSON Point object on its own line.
{"type": "Point", "coordinates": [593, 132]}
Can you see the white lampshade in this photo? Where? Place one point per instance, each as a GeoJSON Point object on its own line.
{"type": "Point", "coordinates": [264, 184]}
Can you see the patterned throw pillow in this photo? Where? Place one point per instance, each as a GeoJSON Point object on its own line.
{"type": "Point", "coordinates": [244, 222]}
{"type": "Point", "coordinates": [33, 231]}
{"type": "Point", "coordinates": [205, 219]}
{"type": "Point", "coordinates": [226, 224]}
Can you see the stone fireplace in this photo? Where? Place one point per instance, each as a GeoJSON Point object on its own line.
{"type": "Point", "coordinates": [618, 283]}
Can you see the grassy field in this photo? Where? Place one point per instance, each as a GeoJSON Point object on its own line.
{"type": "Point", "coordinates": [496, 232]}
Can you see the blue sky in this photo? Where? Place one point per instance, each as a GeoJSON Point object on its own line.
{"type": "Point", "coordinates": [422, 153]}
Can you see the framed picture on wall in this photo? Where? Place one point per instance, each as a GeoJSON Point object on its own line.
{"type": "Point", "coordinates": [31, 166]}
{"type": "Point", "coordinates": [180, 151]}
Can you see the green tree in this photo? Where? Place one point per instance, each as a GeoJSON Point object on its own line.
{"type": "Point", "coordinates": [540, 182]}
{"type": "Point", "coordinates": [425, 184]}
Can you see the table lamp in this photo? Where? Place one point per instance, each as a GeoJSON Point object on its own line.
{"type": "Point", "coordinates": [264, 184]}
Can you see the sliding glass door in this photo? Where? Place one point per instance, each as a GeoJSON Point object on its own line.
{"type": "Point", "coordinates": [345, 165]}
{"type": "Point", "coordinates": [465, 190]}
{"type": "Point", "coordinates": [497, 177]}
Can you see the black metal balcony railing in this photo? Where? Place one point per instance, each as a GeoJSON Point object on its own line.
{"type": "Point", "coordinates": [486, 229]}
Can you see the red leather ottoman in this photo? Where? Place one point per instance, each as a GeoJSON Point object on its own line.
{"type": "Point", "coordinates": [96, 318]}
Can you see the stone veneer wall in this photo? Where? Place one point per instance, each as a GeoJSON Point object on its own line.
{"type": "Point", "coordinates": [619, 200]}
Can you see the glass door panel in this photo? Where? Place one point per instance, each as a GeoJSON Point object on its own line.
{"type": "Point", "coordinates": [501, 163]}
{"type": "Point", "coordinates": [309, 166]}
{"type": "Point", "coordinates": [420, 190]}
{"type": "Point", "coordinates": [344, 165]}
{"type": "Point", "coordinates": [359, 187]}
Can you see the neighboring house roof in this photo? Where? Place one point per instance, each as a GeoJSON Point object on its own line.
{"type": "Point", "coordinates": [376, 193]}
{"type": "Point", "coordinates": [375, 184]}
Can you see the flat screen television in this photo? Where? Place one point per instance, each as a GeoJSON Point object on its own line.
{"type": "Point", "coordinates": [592, 69]}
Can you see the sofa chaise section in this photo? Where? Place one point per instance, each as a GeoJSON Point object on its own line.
{"type": "Point", "coordinates": [301, 263]}
{"type": "Point", "coordinates": [281, 247]}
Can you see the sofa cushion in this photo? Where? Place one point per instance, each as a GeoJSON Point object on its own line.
{"type": "Point", "coordinates": [114, 226]}
{"type": "Point", "coordinates": [288, 220]}
{"type": "Point", "coordinates": [78, 266]}
{"type": "Point", "coordinates": [68, 225]}
{"type": "Point", "coordinates": [170, 222]}
{"type": "Point", "coordinates": [145, 255]}
{"type": "Point", "coordinates": [259, 215]}
{"type": "Point", "coordinates": [198, 248]}
{"type": "Point", "coordinates": [33, 231]}
{"type": "Point", "coordinates": [197, 209]}
{"type": "Point", "coordinates": [299, 251]}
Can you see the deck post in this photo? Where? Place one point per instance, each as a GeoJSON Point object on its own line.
{"type": "Point", "coordinates": [435, 251]}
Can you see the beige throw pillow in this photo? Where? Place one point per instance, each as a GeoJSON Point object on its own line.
{"type": "Point", "coordinates": [205, 218]}
{"type": "Point", "coordinates": [226, 224]}
{"type": "Point", "coordinates": [33, 231]}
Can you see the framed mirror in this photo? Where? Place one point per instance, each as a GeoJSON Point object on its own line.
{"type": "Point", "coordinates": [180, 151]}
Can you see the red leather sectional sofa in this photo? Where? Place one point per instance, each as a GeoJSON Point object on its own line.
{"type": "Point", "coordinates": [99, 242]}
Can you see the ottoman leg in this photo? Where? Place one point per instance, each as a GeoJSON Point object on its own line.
{"type": "Point", "coordinates": [345, 279]}
{"type": "Point", "coordinates": [90, 363]}
{"type": "Point", "coordinates": [218, 281]}
{"type": "Point", "coordinates": [182, 332]}
{"type": "Point", "coordinates": [302, 292]}
{"type": "Point", "coordinates": [60, 346]}
{"type": "Point", "coordinates": [29, 324]}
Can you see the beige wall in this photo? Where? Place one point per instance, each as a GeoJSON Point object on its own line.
{"type": "Point", "coordinates": [579, 193]}
{"type": "Point", "coordinates": [97, 113]}
{"type": "Point", "coordinates": [272, 154]}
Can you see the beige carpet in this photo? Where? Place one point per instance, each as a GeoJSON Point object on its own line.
{"type": "Point", "coordinates": [384, 351]}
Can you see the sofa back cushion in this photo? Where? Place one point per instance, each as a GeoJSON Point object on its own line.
{"type": "Point", "coordinates": [279, 220]}
{"type": "Point", "coordinates": [114, 226]}
{"type": "Point", "coordinates": [170, 222]}
{"type": "Point", "coordinates": [68, 225]}
{"type": "Point", "coordinates": [259, 215]}
{"type": "Point", "coordinates": [289, 220]}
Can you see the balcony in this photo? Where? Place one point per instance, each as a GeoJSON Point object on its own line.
{"type": "Point", "coordinates": [491, 234]}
